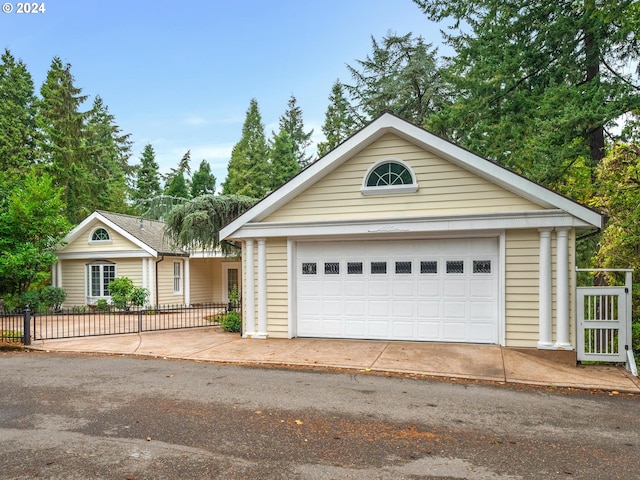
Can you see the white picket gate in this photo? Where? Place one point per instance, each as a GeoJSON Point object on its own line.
{"type": "Point", "coordinates": [604, 321]}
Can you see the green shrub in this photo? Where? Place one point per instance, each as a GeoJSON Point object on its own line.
{"type": "Point", "coordinates": [30, 299]}
{"type": "Point", "coordinates": [124, 293]}
{"type": "Point", "coordinates": [231, 322]}
{"type": "Point", "coordinates": [53, 297]}
{"type": "Point", "coordinates": [102, 304]}
{"type": "Point", "coordinates": [635, 338]}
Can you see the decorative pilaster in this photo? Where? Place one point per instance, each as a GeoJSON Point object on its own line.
{"type": "Point", "coordinates": [544, 302]}
{"type": "Point", "coordinates": [249, 290]}
{"type": "Point", "coordinates": [262, 288]}
{"type": "Point", "coordinates": [562, 289]}
{"type": "Point", "coordinates": [187, 283]}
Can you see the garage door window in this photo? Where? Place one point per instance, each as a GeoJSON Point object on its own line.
{"type": "Point", "coordinates": [455, 266]}
{"type": "Point", "coordinates": [309, 269]}
{"type": "Point", "coordinates": [429, 267]}
{"type": "Point", "coordinates": [354, 268]}
{"type": "Point", "coordinates": [482, 266]}
{"type": "Point", "coordinates": [403, 267]}
{"type": "Point", "coordinates": [331, 268]}
{"type": "Point", "coordinates": [378, 267]}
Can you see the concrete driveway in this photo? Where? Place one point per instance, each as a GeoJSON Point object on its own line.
{"type": "Point", "coordinates": [478, 362]}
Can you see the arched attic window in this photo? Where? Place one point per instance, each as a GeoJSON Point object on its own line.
{"type": "Point", "coordinates": [389, 177]}
{"type": "Point", "coordinates": [100, 235]}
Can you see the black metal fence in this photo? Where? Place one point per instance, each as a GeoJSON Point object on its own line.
{"type": "Point", "coordinates": [85, 321]}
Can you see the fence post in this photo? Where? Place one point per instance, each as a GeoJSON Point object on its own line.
{"type": "Point", "coordinates": [140, 321]}
{"type": "Point", "coordinates": [26, 335]}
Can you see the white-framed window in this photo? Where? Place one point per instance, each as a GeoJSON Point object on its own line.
{"type": "Point", "coordinates": [100, 234]}
{"type": "Point", "coordinates": [177, 277]}
{"type": "Point", "coordinates": [99, 275]}
{"type": "Point", "coordinates": [389, 176]}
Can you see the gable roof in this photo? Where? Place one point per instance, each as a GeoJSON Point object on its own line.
{"type": "Point", "coordinates": [146, 234]}
{"type": "Point", "coordinates": [390, 123]}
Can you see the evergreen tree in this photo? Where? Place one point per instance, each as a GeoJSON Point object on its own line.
{"type": "Point", "coordinates": [203, 181]}
{"type": "Point", "coordinates": [248, 171]}
{"type": "Point", "coordinates": [292, 123]}
{"type": "Point", "coordinates": [539, 82]}
{"type": "Point", "coordinates": [177, 180]}
{"type": "Point", "coordinates": [339, 123]}
{"type": "Point", "coordinates": [147, 183]}
{"type": "Point", "coordinates": [63, 143]}
{"type": "Point", "coordinates": [17, 117]}
{"type": "Point", "coordinates": [401, 75]}
{"type": "Point", "coordinates": [284, 164]}
{"type": "Point", "coordinates": [177, 186]}
{"type": "Point", "coordinates": [108, 151]}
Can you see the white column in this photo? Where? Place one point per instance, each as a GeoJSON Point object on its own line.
{"type": "Point", "coordinates": [151, 276]}
{"type": "Point", "coordinates": [249, 291]}
{"type": "Point", "coordinates": [187, 283]}
{"type": "Point", "coordinates": [56, 273]}
{"type": "Point", "coordinates": [262, 288]}
{"type": "Point", "coordinates": [544, 293]}
{"type": "Point", "coordinates": [562, 289]}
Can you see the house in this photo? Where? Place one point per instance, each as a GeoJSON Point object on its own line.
{"type": "Point", "coordinates": [108, 245]}
{"type": "Point", "coordinates": [398, 234]}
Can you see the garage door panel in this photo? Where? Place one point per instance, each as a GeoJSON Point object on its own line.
{"type": "Point", "coordinates": [454, 331]}
{"type": "Point", "coordinates": [429, 331]}
{"type": "Point", "coordinates": [378, 328]}
{"type": "Point", "coordinates": [403, 330]}
{"type": "Point", "coordinates": [403, 309]}
{"type": "Point", "coordinates": [380, 288]}
{"type": "Point", "coordinates": [454, 288]}
{"type": "Point", "coordinates": [456, 310]}
{"type": "Point", "coordinates": [403, 288]}
{"type": "Point", "coordinates": [379, 308]}
{"type": "Point", "coordinates": [429, 290]}
{"type": "Point", "coordinates": [428, 309]}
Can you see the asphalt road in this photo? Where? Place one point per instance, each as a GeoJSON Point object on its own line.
{"type": "Point", "coordinates": [107, 417]}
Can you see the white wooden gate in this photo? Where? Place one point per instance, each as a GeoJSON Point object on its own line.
{"type": "Point", "coordinates": [604, 322]}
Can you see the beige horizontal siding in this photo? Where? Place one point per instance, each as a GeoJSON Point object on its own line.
{"type": "Point", "coordinates": [206, 280]}
{"type": "Point", "coordinates": [444, 188]}
{"type": "Point", "coordinates": [73, 282]}
{"type": "Point", "coordinates": [277, 288]}
{"type": "Point", "coordinates": [82, 244]}
{"type": "Point", "coordinates": [165, 282]}
{"type": "Point", "coordinates": [521, 288]}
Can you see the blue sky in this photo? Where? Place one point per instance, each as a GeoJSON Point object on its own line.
{"type": "Point", "coordinates": [180, 75]}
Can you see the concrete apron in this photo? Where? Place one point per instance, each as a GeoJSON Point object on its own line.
{"type": "Point", "coordinates": [468, 361]}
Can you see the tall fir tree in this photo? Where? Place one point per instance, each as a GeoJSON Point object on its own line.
{"type": "Point", "coordinates": [203, 181]}
{"type": "Point", "coordinates": [283, 161]}
{"type": "Point", "coordinates": [17, 117]}
{"type": "Point", "coordinates": [177, 183]}
{"type": "Point", "coordinates": [248, 171]}
{"type": "Point", "coordinates": [400, 75]}
{"type": "Point", "coordinates": [292, 123]}
{"type": "Point", "coordinates": [147, 183]}
{"type": "Point", "coordinates": [339, 122]}
{"type": "Point", "coordinates": [108, 152]}
{"type": "Point", "coordinates": [63, 145]}
{"type": "Point", "coordinates": [539, 82]}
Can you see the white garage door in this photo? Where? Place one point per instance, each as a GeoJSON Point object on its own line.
{"type": "Point", "coordinates": [427, 290]}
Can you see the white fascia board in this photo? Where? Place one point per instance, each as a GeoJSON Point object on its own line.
{"type": "Point", "coordinates": [81, 228]}
{"type": "Point", "coordinates": [402, 225]}
{"type": "Point", "coordinates": [97, 254]}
